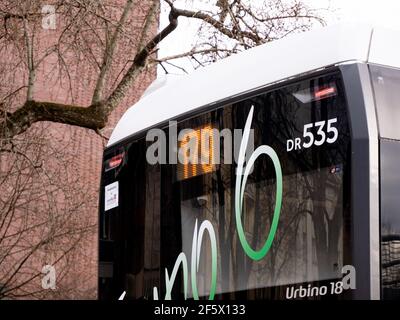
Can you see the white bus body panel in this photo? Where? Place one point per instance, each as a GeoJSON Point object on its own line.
{"type": "Point", "coordinates": [256, 68]}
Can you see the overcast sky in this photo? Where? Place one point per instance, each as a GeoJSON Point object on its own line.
{"type": "Point", "coordinates": [382, 12]}
{"type": "Point", "coordinates": [377, 12]}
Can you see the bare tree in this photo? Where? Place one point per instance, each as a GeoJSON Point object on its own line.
{"type": "Point", "coordinates": [236, 21]}
{"type": "Point", "coordinates": [231, 26]}
{"type": "Point", "coordinates": [101, 47]}
{"type": "Point", "coordinates": [38, 221]}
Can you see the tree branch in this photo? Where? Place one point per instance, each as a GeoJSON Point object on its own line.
{"type": "Point", "coordinates": [29, 56]}
{"type": "Point", "coordinates": [96, 115]}
{"type": "Point", "coordinates": [214, 23]}
{"type": "Point", "coordinates": [32, 111]}
{"type": "Point", "coordinates": [109, 53]}
{"type": "Point", "coordinates": [191, 53]}
{"type": "Point", "coordinates": [138, 64]}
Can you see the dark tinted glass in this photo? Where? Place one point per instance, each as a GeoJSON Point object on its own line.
{"type": "Point", "coordinates": [386, 84]}
{"type": "Point", "coordinates": [159, 206]}
{"type": "Point", "coordinates": [129, 248]}
{"type": "Point", "coordinates": [390, 219]}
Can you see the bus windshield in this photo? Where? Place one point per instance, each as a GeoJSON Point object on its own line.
{"type": "Point", "coordinates": [268, 213]}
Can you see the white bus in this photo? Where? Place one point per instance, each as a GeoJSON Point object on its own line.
{"type": "Point", "coordinates": [272, 175]}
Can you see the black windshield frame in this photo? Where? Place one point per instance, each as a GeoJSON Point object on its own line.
{"type": "Point", "coordinates": [115, 149]}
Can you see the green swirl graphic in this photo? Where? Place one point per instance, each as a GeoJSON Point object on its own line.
{"type": "Point", "coordinates": [240, 187]}
{"type": "Point", "coordinates": [196, 249]}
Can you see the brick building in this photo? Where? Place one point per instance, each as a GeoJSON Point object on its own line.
{"type": "Point", "coordinates": [73, 155]}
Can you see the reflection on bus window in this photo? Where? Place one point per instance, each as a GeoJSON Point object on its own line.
{"type": "Point", "coordinates": [159, 204]}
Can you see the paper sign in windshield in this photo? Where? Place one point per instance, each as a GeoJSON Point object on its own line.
{"type": "Point", "coordinates": [111, 196]}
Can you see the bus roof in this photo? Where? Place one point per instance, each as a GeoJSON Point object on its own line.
{"type": "Point", "coordinates": [259, 67]}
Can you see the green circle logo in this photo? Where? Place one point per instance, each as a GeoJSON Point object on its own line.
{"type": "Point", "coordinates": [240, 187]}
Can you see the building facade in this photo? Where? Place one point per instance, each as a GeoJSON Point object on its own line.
{"type": "Point", "coordinates": [66, 72]}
